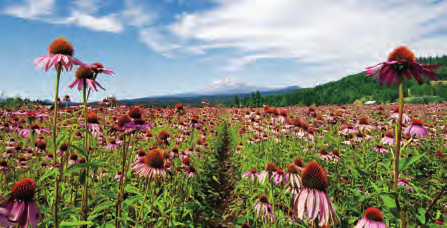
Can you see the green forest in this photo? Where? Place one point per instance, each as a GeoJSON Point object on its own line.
{"type": "Point", "coordinates": [356, 89]}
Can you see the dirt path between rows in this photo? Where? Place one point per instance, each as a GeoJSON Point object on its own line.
{"type": "Point", "coordinates": [225, 187]}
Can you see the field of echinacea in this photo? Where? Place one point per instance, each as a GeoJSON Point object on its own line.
{"type": "Point", "coordinates": [109, 165]}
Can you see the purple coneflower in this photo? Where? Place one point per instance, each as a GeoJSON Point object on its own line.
{"type": "Point", "coordinates": [151, 166]}
{"type": "Point", "coordinates": [401, 61]}
{"type": "Point", "coordinates": [416, 129]}
{"type": "Point", "coordinates": [389, 139]}
{"type": "Point", "coordinates": [85, 74]}
{"type": "Point", "coordinates": [73, 159]}
{"type": "Point", "coordinates": [252, 174]}
{"type": "Point", "coordinates": [279, 177]}
{"type": "Point", "coordinates": [324, 154]}
{"type": "Point", "coordinates": [405, 118]}
{"type": "Point", "coordinates": [294, 179]}
{"type": "Point", "coordinates": [93, 123]}
{"type": "Point", "coordinates": [21, 206]}
{"type": "Point", "coordinates": [381, 149]}
{"type": "Point", "coordinates": [138, 123]}
{"type": "Point", "coordinates": [313, 199]}
{"type": "Point", "coordinates": [373, 219]}
{"type": "Point", "coordinates": [191, 172]}
{"type": "Point", "coordinates": [60, 51]}
{"type": "Point", "coordinates": [264, 208]}
{"type": "Point", "coordinates": [113, 144]}
{"type": "Point", "coordinates": [98, 68]}
{"type": "Point", "coordinates": [270, 167]}
{"type": "Point", "coordinates": [406, 183]}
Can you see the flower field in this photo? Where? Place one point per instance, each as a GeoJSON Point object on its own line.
{"type": "Point", "coordinates": [108, 165]}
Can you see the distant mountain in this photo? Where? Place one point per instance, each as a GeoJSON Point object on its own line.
{"type": "Point", "coordinates": [214, 94]}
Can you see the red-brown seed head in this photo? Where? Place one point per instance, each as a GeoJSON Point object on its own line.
{"type": "Point", "coordinates": [313, 177]}
{"type": "Point", "coordinates": [82, 160]}
{"type": "Point", "coordinates": [154, 159]}
{"type": "Point", "coordinates": [298, 162]}
{"type": "Point", "coordinates": [141, 153]}
{"type": "Point", "coordinates": [42, 145]}
{"type": "Point", "coordinates": [73, 157]}
{"type": "Point", "coordinates": [283, 113]}
{"type": "Point", "coordinates": [186, 161]}
{"type": "Point", "coordinates": [179, 106]}
{"type": "Point", "coordinates": [374, 214]}
{"type": "Point", "coordinates": [164, 135]}
{"type": "Point", "coordinates": [417, 123]}
{"type": "Point", "coordinates": [35, 126]}
{"type": "Point", "coordinates": [253, 171]}
{"type": "Point", "coordinates": [364, 120]}
{"type": "Point", "coordinates": [390, 135]}
{"type": "Point", "coordinates": [98, 65]}
{"type": "Point", "coordinates": [323, 151]}
{"type": "Point", "coordinates": [175, 149]}
{"type": "Point", "coordinates": [245, 225]}
{"type": "Point", "coordinates": [402, 54]}
{"type": "Point", "coordinates": [263, 199]}
{"type": "Point", "coordinates": [292, 168]}
{"type": "Point", "coordinates": [92, 118]}
{"type": "Point", "coordinates": [63, 147]}
{"type": "Point", "coordinates": [134, 113]}
{"type": "Point", "coordinates": [270, 167]}
{"type": "Point", "coordinates": [61, 46]}
{"type": "Point", "coordinates": [123, 120]}
{"type": "Point", "coordinates": [3, 163]}
{"type": "Point", "coordinates": [24, 189]}
{"type": "Point", "coordinates": [84, 73]}
{"type": "Point", "coordinates": [336, 153]}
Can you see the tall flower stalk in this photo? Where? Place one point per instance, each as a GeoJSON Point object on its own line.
{"type": "Point", "coordinates": [60, 56]}
{"type": "Point", "coordinates": [85, 196]}
{"type": "Point", "coordinates": [401, 63]}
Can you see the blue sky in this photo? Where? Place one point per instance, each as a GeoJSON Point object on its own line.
{"type": "Point", "coordinates": [174, 46]}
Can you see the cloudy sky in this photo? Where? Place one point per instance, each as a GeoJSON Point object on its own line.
{"type": "Point", "coordinates": [173, 46]}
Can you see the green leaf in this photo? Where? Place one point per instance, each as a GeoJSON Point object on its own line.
{"type": "Point", "coordinates": [74, 223]}
{"type": "Point", "coordinates": [48, 173]}
{"type": "Point", "coordinates": [82, 177]}
{"type": "Point", "coordinates": [421, 215]}
{"type": "Point", "coordinates": [405, 162]}
{"type": "Point", "coordinates": [77, 167]}
{"type": "Point", "coordinates": [390, 205]}
{"type": "Point", "coordinates": [215, 178]}
{"type": "Point", "coordinates": [81, 150]}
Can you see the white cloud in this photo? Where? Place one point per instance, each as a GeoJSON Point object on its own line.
{"type": "Point", "coordinates": [31, 9]}
{"type": "Point", "coordinates": [136, 14]}
{"type": "Point", "coordinates": [108, 23]}
{"type": "Point", "coordinates": [344, 35]}
{"type": "Point", "coordinates": [157, 41]}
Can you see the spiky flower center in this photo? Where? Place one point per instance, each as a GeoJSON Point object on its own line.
{"type": "Point", "coordinates": [63, 147]}
{"type": "Point", "coordinates": [186, 161]}
{"type": "Point", "coordinates": [336, 153]}
{"type": "Point", "coordinates": [402, 54]}
{"type": "Point", "coordinates": [364, 120]}
{"type": "Point", "coordinates": [73, 157]}
{"type": "Point", "coordinates": [417, 123]}
{"type": "Point", "coordinates": [298, 162]}
{"type": "Point", "coordinates": [84, 73]}
{"type": "Point", "coordinates": [35, 126]}
{"type": "Point", "coordinates": [123, 120]}
{"type": "Point", "coordinates": [374, 214]}
{"type": "Point", "coordinates": [154, 159]}
{"type": "Point", "coordinates": [292, 168]}
{"type": "Point", "coordinates": [390, 135]}
{"type": "Point", "coordinates": [263, 199]}
{"type": "Point", "coordinates": [323, 151]}
{"type": "Point", "coordinates": [61, 46]}
{"type": "Point", "coordinates": [270, 167]}
{"type": "Point", "coordinates": [24, 189]}
{"type": "Point", "coordinates": [134, 113]}
{"type": "Point", "coordinates": [92, 118]}
{"type": "Point", "coordinates": [164, 135]}
{"type": "Point", "coordinates": [313, 177]}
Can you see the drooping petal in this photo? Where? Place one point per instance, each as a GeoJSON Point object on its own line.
{"type": "Point", "coordinates": [33, 212]}
{"type": "Point", "coordinates": [73, 84]}
{"type": "Point", "coordinates": [310, 204]}
{"type": "Point", "coordinates": [80, 84]}
{"type": "Point", "coordinates": [406, 74]}
{"type": "Point", "coordinates": [300, 202]}
{"type": "Point", "coordinates": [91, 85]}
{"type": "Point", "coordinates": [99, 85]}
{"type": "Point", "coordinates": [416, 70]}
{"type": "Point", "coordinates": [20, 213]}
{"type": "Point", "coordinates": [361, 223]}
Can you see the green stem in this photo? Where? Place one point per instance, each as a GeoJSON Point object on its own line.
{"type": "Point", "coordinates": [56, 106]}
{"type": "Point", "coordinates": [120, 188]}
{"type": "Point", "coordinates": [399, 138]}
{"type": "Point", "coordinates": [85, 200]}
